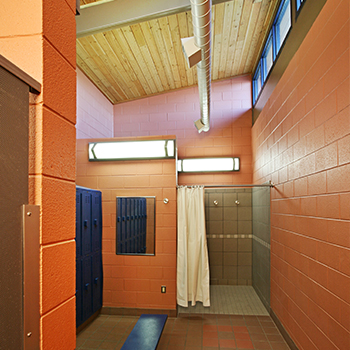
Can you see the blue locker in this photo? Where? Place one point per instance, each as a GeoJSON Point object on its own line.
{"type": "Point", "coordinates": [96, 227]}
{"type": "Point", "coordinates": [89, 277]}
{"type": "Point", "coordinates": [78, 225]}
{"type": "Point", "coordinates": [132, 224]}
{"type": "Point", "coordinates": [137, 225]}
{"type": "Point", "coordinates": [78, 295]}
{"type": "Point", "coordinates": [119, 225]}
{"type": "Point", "coordinates": [144, 224]}
{"type": "Point", "coordinates": [123, 225]}
{"type": "Point", "coordinates": [87, 287]}
{"type": "Point", "coordinates": [128, 225]}
{"type": "Point", "coordinates": [86, 221]}
{"type": "Point", "coordinates": [97, 281]}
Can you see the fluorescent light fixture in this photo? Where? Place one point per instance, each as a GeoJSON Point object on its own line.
{"type": "Point", "coordinates": [131, 150]}
{"type": "Point", "coordinates": [197, 165]}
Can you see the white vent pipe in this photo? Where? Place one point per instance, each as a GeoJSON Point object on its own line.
{"type": "Point", "coordinates": [201, 20]}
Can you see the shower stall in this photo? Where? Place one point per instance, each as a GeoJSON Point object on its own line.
{"type": "Point", "coordinates": [238, 236]}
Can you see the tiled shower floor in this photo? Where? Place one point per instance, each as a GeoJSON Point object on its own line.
{"type": "Point", "coordinates": [230, 300]}
{"type": "Point", "coordinates": [197, 329]}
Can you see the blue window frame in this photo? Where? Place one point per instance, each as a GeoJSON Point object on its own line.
{"type": "Point", "coordinates": [299, 3]}
{"type": "Point", "coordinates": [257, 83]}
{"type": "Point", "coordinates": [267, 57]}
{"type": "Point", "coordinates": [282, 24]}
{"type": "Point", "coordinates": [278, 33]}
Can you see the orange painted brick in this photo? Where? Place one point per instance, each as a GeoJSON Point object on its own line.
{"type": "Point", "coordinates": [344, 150]}
{"type": "Point", "coordinates": [318, 271]}
{"type": "Point", "coordinates": [122, 272]}
{"type": "Point", "coordinates": [58, 157]}
{"type": "Point", "coordinates": [58, 327]}
{"type": "Point", "coordinates": [314, 97]}
{"type": "Point", "coordinates": [327, 157]}
{"type": "Point", "coordinates": [339, 284]}
{"type": "Point", "coordinates": [113, 284]}
{"type": "Point", "coordinates": [13, 47]}
{"type": "Point", "coordinates": [150, 272]}
{"type": "Point", "coordinates": [140, 285]}
{"type": "Point", "coordinates": [307, 124]}
{"type": "Point", "coordinates": [308, 206]}
{"type": "Point", "coordinates": [337, 73]}
{"type": "Point", "coordinates": [338, 179]}
{"type": "Point", "coordinates": [328, 254]}
{"type": "Point", "coordinates": [165, 260]}
{"type": "Point", "coordinates": [315, 139]}
{"type": "Point", "coordinates": [59, 28]}
{"type": "Point", "coordinates": [317, 183]}
{"type": "Point", "coordinates": [339, 232]}
{"type": "Point", "coordinates": [299, 148]}
{"type": "Point", "coordinates": [343, 94]}
{"type": "Point", "coordinates": [54, 228]}
{"type": "Point", "coordinates": [344, 261]}
{"type": "Point", "coordinates": [56, 66]}
{"type": "Point", "coordinates": [338, 126]}
{"type": "Point", "coordinates": [342, 340]}
{"type": "Point", "coordinates": [87, 181]}
{"type": "Point", "coordinates": [328, 206]}
{"type": "Point", "coordinates": [345, 206]}
{"type": "Point", "coordinates": [58, 274]}
{"type": "Point", "coordinates": [28, 19]}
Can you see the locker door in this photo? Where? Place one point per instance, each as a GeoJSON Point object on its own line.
{"type": "Point", "coordinates": [128, 225]}
{"type": "Point", "coordinates": [86, 221]}
{"type": "Point", "coordinates": [137, 225]}
{"type": "Point", "coordinates": [78, 295]}
{"type": "Point", "coordinates": [123, 225]}
{"type": "Point", "coordinates": [144, 212]}
{"type": "Point", "coordinates": [96, 282]}
{"type": "Point", "coordinates": [96, 229]}
{"type": "Point", "coordinates": [78, 225]}
{"type": "Point", "coordinates": [119, 226]}
{"type": "Point", "coordinates": [87, 288]}
{"type": "Point", "coordinates": [132, 225]}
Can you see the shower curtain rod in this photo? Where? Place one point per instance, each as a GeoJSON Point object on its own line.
{"type": "Point", "coordinates": [265, 184]}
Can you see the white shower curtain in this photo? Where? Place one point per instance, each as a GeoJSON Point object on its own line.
{"type": "Point", "coordinates": [192, 250]}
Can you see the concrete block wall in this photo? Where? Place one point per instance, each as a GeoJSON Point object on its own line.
{"type": "Point", "coordinates": [175, 113]}
{"type": "Point", "coordinates": [134, 282]}
{"type": "Point", "coordinates": [94, 111]}
{"type": "Point", "coordinates": [39, 37]}
{"type": "Point", "coordinates": [301, 141]}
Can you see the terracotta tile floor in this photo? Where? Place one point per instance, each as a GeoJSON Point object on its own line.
{"type": "Point", "coordinates": [189, 331]}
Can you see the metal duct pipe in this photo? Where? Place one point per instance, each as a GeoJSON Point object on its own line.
{"type": "Point", "coordinates": [201, 19]}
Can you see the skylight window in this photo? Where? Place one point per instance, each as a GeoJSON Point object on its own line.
{"type": "Point", "coordinates": [278, 33]}
{"type": "Point", "coordinates": [257, 83]}
{"type": "Point", "coordinates": [267, 58]}
{"type": "Point", "coordinates": [282, 24]}
{"type": "Point", "coordinates": [299, 3]}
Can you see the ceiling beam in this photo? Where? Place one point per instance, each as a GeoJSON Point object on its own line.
{"type": "Point", "coordinates": [110, 14]}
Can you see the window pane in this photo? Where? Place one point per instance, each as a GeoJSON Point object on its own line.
{"type": "Point", "coordinates": [283, 22]}
{"type": "Point", "coordinates": [257, 83]}
{"type": "Point", "coordinates": [268, 57]}
{"type": "Point", "coordinates": [299, 2]}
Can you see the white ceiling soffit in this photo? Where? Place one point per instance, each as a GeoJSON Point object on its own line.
{"type": "Point", "coordinates": [110, 14]}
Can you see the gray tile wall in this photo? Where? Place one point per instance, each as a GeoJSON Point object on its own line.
{"type": "Point", "coordinates": [261, 243]}
{"type": "Point", "coordinates": [229, 234]}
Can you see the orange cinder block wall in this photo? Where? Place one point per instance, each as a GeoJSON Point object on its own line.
{"type": "Point", "coordinates": [301, 141]}
{"type": "Point", "coordinates": [135, 281]}
{"type": "Point", "coordinates": [39, 37]}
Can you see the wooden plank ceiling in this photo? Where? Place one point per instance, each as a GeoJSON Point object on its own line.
{"type": "Point", "coordinates": [146, 59]}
